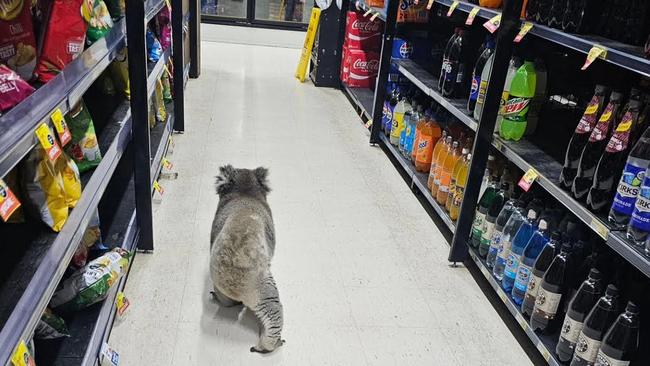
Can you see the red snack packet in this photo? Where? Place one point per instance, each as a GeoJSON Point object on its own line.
{"type": "Point", "coordinates": [17, 40]}
{"type": "Point", "coordinates": [64, 38]}
{"type": "Point", "coordinates": [13, 89]}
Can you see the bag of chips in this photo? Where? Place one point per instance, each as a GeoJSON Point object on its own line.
{"type": "Point", "coordinates": [17, 40]}
{"type": "Point", "coordinates": [71, 179]}
{"type": "Point", "coordinates": [63, 40]}
{"type": "Point", "coordinates": [154, 50]}
{"type": "Point", "coordinates": [44, 189]}
{"type": "Point", "coordinates": [161, 111]}
{"type": "Point", "coordinates": [83, 147]}
{"type": "Point", "coordinates": [120, 72]}
{"type": "Point", "coordinates": [167, 88]}
{"type": "Point", "coordinates": [13, 89]}
{"type": "Point", "coordinates": [93, 235]}
{"type": "Point", "coordinates": [116, 8]}
{"type": "Point", "coordinates": [92, 283]}
{"type": "Point", "coordinates": [164, 20]}
{"type": "Point", "coordinates": [10, 199]}
{"type": "Point", "coordinates": [98, 18]}
{"type": "Point", "coordinates": [51, 326]}
{"type": "Point", "coordinates": [152, 114]}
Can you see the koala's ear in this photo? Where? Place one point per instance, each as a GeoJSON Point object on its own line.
{"type": "Point", "coordinates": [224, 179]}
{"type": "Point", "coordinates": [261, 174]}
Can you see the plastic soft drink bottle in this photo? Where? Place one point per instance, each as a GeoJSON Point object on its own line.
{"type": "Point", "coordinates": [389, 106]}
{"type": "Point", "coordinates": [478, 71]}
{"type": "Point", "coordinates": [581, 304]}
{"type": "Point", "coordinates": [552, 291]}
{"type": "Point", "coordinates": [527, 261]}
{"type": "Point", "coordinates": [418, 127]}
{"type": "Point", "coordinates": [581, 136]}
{"type": "Point", "coordinates": [539, 269]}
{"type": "Point", "coordinates": [402, 135]}
{"type": "Point", "coordinates": [639, 226]}
{"type": "Point", "coordinates": [459, 191]}
{"type": "Point", "coordinates": [519, 242]}
{"type": "Point", "coordinates": [454, 176]}
{"type": "Point", "coordinates": [481, 212]}
{"type": "Point", "coordinates": [454, 69]}
{"type": "Point", "coordinates": [539, 99]}
{"type": "Point", "coordinates": [594, 148]}
{"type": "Point", "coordinates": [482, 87]}
{"type": "Point", "coordinates": [398, 121]}
{"type": "Point", "coordinates": [509, 231]}
{"type": "Point", "coordinates": [411, 128]}
{"type": "Point", "coordinates": [490, 219]}
{"type": "Point", "coordinates": [613, 160]}
{"type": "Point", "coordinates": [513, 67]}
{"type": "Point", "coordinates": [557, 13]}
{"type": "Point", "coordinates": [598, 321]}
{"type": "Point", "coordinates": [442, 155]}
{"type": "Point", "coordinates": [621, 340]}
{"type": "Point", "coordinates": [500, 223]}
{"type": "Point", "coordinates": [515, 113]}
{"type": "Point", "coordinates": [445, 56]}
{"type": "Point", "coordinates": [630, 183]}
{"type": "Point", "coordinates": [446, 172]}
{"type": "Point", "coordinates": [429, 135]}
{"type": "Point", "coordinates": [441, 144]}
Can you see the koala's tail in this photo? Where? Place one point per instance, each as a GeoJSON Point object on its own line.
{"type": "Point", "coordinates": [268, 310]}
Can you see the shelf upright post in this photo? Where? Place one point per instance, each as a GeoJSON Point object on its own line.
{"type": "Point", "coordinates": [178, 58]}
{"type": "Point", "coordinates": [508, 28]}
{"type": "Point", "coordinates": [390, 27]}
{"type": "Point", "coordinates": [137, 54]}
{"type": "Point", "coordinates": [195, 39]}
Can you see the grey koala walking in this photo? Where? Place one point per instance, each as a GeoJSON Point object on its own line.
{"type": "Point", "coordinates": [242, 243]}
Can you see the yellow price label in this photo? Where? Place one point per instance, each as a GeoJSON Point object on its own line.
{"type": "Point", "coordinates": [453, 7]}
{"type": "Point", "coordinates": [372, 18]}
{"type": "Point", "coordinates": [158, 187]}
{"type": "Point", "coordinates": [472, 15]}
{"type": "Point", "coordinates": [61, 127]}
{"type": "Point", "coordinates": [430, 4]}
{"type": "Point", "coordinates": [22, 356]}
{"type": "Point", "coordinates": [528, 179]}
{"type": "Point", "coordinates": [594, 53]}
{"type": "Point", "coordinates": [599, 228]}
{"type": "Point", "coordinates": [367, 12]}
{"type": "Point", "coordinates": [167, 164]}
{"type": "Point", "coordinates": [493, 24]}
{"type": "Point", "coordinates": [45, 138]}
{"type": "Point", "coordinates": [121, 303]}
{"type": "Point", "coordinates": [525, 28]}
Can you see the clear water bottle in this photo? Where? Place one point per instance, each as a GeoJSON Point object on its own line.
{"type": "Point", "coordinates": [503, 251]}
{"type": "Point", "coordinates": [519, 242]}
{"type": "Point", "coordinates": [497, 235]}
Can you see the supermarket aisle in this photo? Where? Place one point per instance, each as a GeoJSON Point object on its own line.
{"type": "Point", "coordinates": [361, 268]}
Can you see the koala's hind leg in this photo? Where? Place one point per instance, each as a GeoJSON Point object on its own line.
{"type": "Point", "coordinates": [223, 299]}
{"type": "Point", "coordinates": [268, 310]}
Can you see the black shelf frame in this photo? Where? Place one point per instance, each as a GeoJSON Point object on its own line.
{"type": "Point", "coordinates": [362, 99]}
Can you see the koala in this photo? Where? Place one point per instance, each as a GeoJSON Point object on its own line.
{"type": "Point", "coordinates": [242, 243]}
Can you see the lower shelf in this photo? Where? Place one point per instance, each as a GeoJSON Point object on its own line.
{"type": "Point", "coordinates": [363, 98]}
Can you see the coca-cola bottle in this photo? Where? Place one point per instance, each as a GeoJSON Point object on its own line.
{"type": "Point", "coordinates": [600, 318]}
{"type": "Point", "coordinates": [594, 148]}
{"type": "Point", "coordinates": [612, 161]}
{"type": "Point", "coordinates": [621, 340]}
{"type": "Point", "coordinates": [539, 269]}
{"type": "Point", "coordinates": [581, 136]}
{"type": "Point", "coordinates": [581, 304]}
{"type": "Point", "coordinates": [552, 292]}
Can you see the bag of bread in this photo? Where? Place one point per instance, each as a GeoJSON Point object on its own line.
{"type": "Point", "coordinates": [98, 18]}
{"type": "Point", "coordinates": [13, 89]}
{"type": "Point", "coordinates": [83, 147]}
{"type": "Point", "coordinates": [17, 40]}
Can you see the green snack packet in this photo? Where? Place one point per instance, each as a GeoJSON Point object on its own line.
{"type": "Point", "coordinates": [84, 148]}
{"type": "Point", "coordinates": [51, 326]}
{"type": "Point", "coordinates": [167, 88]}
{"type": "Point", "coordinates": [98, 19]}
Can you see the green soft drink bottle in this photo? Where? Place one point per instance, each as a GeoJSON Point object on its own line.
{"type": "Point", "coordinates": [515, 113]}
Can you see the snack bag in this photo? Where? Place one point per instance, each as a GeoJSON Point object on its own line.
{"type": "Point", "coordinates": [17, 40]}
{"type": "Point", "coordinates": [120, 72]}
{"type": "Point", "coordinates": [92, 283]}
{"type": "Point", "coordinates": [10, 198]}
{"type": "Point", "coordinates": [44, 189]}
{"type": "Point", "coordinates": [154, 50]}
{"type": "Point", "coordinates": [412, 12]}
{"type": "Point", "coordinates": [152, 114]}
{"type": "Point", "coordinates": [24, 354]}
{"type": "Point", "coordinates": [13, 89]}
{"type": "Point", "coordinates": [98, 18]}
{"type": "Point", "coordinates": [167, 88]}
{"type": "Point", "coordinates": [161, 112]}
{"type": "Point", "coordinates": [63, 40]}
{"type": "Point", "coordinates": [51, 326]}
{"type": "Point", "coordinates": [165, 27]}
{"type": "Point", "coordinates": [93, 235]}
{"type": "Point", "coordinates": [83, 148]}
{"type": "Point", "coordinates": [71, 179]}
{"type": "Point", "coordinates": [116, 8]}
{"type": "Point", "coordinates": [80, 256]}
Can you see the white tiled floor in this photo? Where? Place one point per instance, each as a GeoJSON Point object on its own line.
{"type": "Point", "coordinates": [361, 268]}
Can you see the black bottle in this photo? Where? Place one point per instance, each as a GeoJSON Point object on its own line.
{"type": "Point", "coordinates": [551, 292]}
{"type": "Point", "coordinates": [583, 301]}
{"type": "Point", "coordinates": [542, 263]}
{"type": "Point", "coordinates": [622, 339]}
{"type": "Point", "coordinates": [600, 318]}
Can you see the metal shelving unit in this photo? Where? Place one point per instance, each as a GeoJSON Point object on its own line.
{"type": "Point", "coordinates": [362, 99]}
{"type": "Point", "coordinates": [127, 144]}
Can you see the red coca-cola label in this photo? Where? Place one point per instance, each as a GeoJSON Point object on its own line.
{"type": "Point", "coordinates": [363, 68]}
{"type": "Point", "coordinates": [621, 137]}
{"type": "Point", "coordinates": [589, 118]}
{"type": "Point", "coordinates": [345, 65]}
{"type": "Point", "coordinates": [602, 127]}
{"type": "Point", "coordinates": [363, 26]}
{"type": "Point", "coordinates": [361, 33]}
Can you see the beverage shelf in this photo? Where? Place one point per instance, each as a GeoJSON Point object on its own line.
{"type": "Point", "coordinates": [361, 4]}
{"type": "Point", "coordinates": [363, 98]}
{"type": "Point", "coordinates": [620, 54]}
{"type": "Point", "coordinates": [545, 343]}
{"type": "Point", "coordinates": [64, 91]}
{"type": "Point", "coordinates": [418, 180]}
{"type": "Point", "coordinates": [527, 156]}
{"type": "Point", "coordinates": [429, 85]}
{"type": "Point", "coordinates": [629, 251]}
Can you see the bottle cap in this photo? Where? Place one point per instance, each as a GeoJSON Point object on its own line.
{"type": "Point", "coordinates": [632, 308]}
{"type": "Point", "coordinates": [465, 151]}
{"type": "Point", "coordinates": [454, 144]}
{"type": "Point", "coordinates": [504, 186]}
{"type": "Point", "coordinates": [595, 274]}
{"type": "Point", "coordinates": [469, 157]}
{"type": "Point", "coordinates": [600, 89]}
{"type": "Point", "coordinates": [542, 224]}
{"type": "Point", "coordinates": [532, 215]}
{"type": "Point", "coordinates": [611, 290]}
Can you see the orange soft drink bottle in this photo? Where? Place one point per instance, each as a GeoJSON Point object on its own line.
{"type": "Point", "coordinates": [445, 175]}
{"type": "Point", "coordinates": [434, 159]}
{"type": "Point", "coordinates": [420, 124]}
{"type": "Point", "coordinates": [429, 135]}
{"type": "Point", "coordinates": [454, 175]}
{"type": "Point", "coordinates": [442, 155]}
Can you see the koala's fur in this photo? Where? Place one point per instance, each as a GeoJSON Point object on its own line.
{"type": "Point", "coordinates": [242, 243]}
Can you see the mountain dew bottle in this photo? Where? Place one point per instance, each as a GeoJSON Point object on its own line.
{"type": "Point", "coordinates": [515, 112]}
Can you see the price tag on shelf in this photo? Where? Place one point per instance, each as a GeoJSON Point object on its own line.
{"type": "Point", "coordinates": [171, 141]}
{"type": "Point", "coordinates": [22, 355]}
{"type": "Point", "coordinates": [51, 147]}
{"type": "Point", "coordinates": [8, 201]}
{"type": "Point", "coordinates": [528, 179]}
{"type": "Point", "coordinates": [493, 24]}
{"type": "Point", "coordinates": [430, 4]}
{"type": "Point", "coordinates": [453, 7]}
{"type": "Point", "coordinates": [525, 28]}
{"type": "Point", "coordinates": [121, 303]}
{"type": "Point", "coordinates": [594, 53]}
{"type": "Point", "coordinates": [599, 228]}
{"type": "Point", "coordinates": [167, 164]}
{"type": "Point", "coordinates": [374, 16]}
{"type": "Point", "coordinates": [367, 12]}
{"type": "Point", "coordinates": [158, 187]}
{"type": "Point", "coordinates": [61, 127]}
{"type": "Point", "coordinates": [472, 15]}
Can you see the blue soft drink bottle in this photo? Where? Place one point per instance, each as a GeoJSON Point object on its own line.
{"type": "Point", "coordinates": [527, 261]}
{"type": "Point", "coordinates": [509, 231]}
{"type": "Point", "coordinates": [518, 244]}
